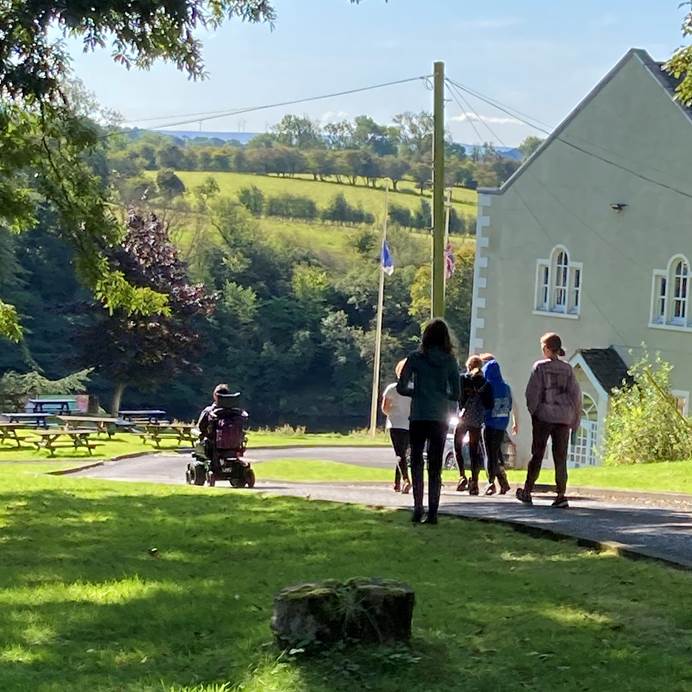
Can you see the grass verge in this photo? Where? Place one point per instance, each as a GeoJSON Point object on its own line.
{"type": "Point", "coordinates": [83, 604]}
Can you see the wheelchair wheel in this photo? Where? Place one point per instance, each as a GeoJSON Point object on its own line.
{"type": "Point", "coordinates": [250, 478]}
{"type": "Point", "coordinates": [188, 475]}
{"type": "Point", "coordinates": [237, 482]}
{"type": "Point", "coordinates": [210, 479]}
{"type": "Point", "coordinates": [450, 461]}
{"type": "Point", "coordinates": [198, 475]}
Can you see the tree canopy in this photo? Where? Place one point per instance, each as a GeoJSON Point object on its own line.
{"type": "Point", "coordinates": [680, 64]}
{"type": "Point", "coordinates": [49, 148]}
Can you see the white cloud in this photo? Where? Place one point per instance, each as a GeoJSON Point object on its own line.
{"type": "Point", "coordinates": [333, 117]}
{"type": "Point", "coordinates": [466, 116]}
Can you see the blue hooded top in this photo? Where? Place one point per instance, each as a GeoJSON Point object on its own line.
{"type": "Point", "coordinates": [498, 416]}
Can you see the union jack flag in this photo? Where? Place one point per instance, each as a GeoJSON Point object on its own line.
{"type": "Point", "coordinates": [449, 261]}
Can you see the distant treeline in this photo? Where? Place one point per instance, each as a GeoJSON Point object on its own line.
{"type": "Point", "coordinates": [346, 152]}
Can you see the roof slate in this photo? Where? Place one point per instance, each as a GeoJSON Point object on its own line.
{"type": "Point", "coordinates": [607, 367]}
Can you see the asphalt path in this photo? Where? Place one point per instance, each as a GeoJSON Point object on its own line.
{"type": "Point", "coordinates": [626, 524]}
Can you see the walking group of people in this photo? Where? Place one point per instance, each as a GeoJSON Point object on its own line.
{"type": "Point", "coordinates": [430, 388]}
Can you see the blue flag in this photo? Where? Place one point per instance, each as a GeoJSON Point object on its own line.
{"type": "Point", "coordinates": [386, 259]}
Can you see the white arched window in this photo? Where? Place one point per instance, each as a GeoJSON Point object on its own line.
{"type": "Point", "coordinates": [670, 295]}
{"type": "Point", "coordinates": [558, 284]}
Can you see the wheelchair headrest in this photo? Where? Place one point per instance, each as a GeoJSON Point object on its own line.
{"type": "Point", "coordinates": [227, 400]}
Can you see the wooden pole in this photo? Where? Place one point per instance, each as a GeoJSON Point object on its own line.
{"type": "Point", "coordinates": [438, 268]}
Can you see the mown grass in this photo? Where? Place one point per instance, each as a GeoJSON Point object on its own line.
{"type": "Point", "coordinates": [130, 443]}
{"type": "Point", "coordinates": [371, 199]}
{"type": "Point", "coordinates": [670, 476]}
{"type": "Point", "coordinates": [85, 606]}
{"type": "Point", "coordinates": [664, 477]}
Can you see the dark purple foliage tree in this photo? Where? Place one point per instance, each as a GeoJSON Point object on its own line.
{"type": "Point", "coordinates": [149, 350]}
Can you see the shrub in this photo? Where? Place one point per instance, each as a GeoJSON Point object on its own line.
{"type": "Point", "coordinates": [340, 210]}
{"type": "Point", "coordinates": [252, 198]}
{"type": "Point", "coordinates": [423, 216]}
{"type": "Point", "coordinates": [644, 423]}
{"type": "Point", "coordinates": [400, 215]}
{"type": "Point", "coordinates": [292, 207]}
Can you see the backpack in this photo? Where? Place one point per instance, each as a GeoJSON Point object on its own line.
{"type": "Point", "coordinates": [229, 429]}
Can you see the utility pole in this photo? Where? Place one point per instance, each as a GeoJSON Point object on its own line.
{"type": "Point", "coordinates": [438, 262]}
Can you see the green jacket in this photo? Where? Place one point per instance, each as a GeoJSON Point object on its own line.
{"type": "Point", "coordinates": [432, 381]}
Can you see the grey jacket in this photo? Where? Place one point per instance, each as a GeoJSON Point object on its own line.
{"type": "Point", "coordinates": [553, 394]}
{"type": "Point", "coordinates": [432, 381]}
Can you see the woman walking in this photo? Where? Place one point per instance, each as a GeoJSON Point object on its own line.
{"type": "Point", "coordinates": [475, 399]}
{"type": "Point", "coordinates": [397, 409]}
{"type": "Point", "coordinates": [553, 398]}
{"type": "Point", "coordinates": [431, 378]}
{"type": "Point", "coordinates": [496, 422]}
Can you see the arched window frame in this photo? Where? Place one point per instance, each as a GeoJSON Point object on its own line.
{"type": "Point", "coordinates": [670, 295]}
{"type": "Point", "coordinates": [558, 285]}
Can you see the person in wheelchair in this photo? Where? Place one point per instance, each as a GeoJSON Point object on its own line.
{"type": "Point", "coordinates": [222, 427]}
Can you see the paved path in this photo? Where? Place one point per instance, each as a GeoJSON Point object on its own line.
{"type": "Point", "coordinates": [625, 523]}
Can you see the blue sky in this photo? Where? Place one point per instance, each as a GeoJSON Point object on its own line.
{"type": "Point", "coordinates": [539, 56]}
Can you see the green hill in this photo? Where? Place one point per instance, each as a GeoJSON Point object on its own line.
{"type": "Point", "coordinates": [371, 199]}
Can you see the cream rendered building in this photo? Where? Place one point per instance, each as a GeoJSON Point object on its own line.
{"type": "Point", "coordinates": [592, 238]}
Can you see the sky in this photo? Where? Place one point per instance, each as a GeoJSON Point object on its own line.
{"type": "Point", "coordinates": [540, 57]}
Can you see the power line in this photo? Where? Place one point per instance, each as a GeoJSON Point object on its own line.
{"type": "Point", "coordinates": [212, 115]}
{"type": "Point", "coordinates": [473, 125]}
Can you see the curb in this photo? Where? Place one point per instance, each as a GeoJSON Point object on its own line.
{"type": "Point", "coordinates": [100, 462]}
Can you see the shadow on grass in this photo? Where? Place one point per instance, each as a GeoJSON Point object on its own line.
{"type": "Point", "coordinates": [85, 605]}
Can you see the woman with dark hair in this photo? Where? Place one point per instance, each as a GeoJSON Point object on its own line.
{"type": "Point", "coordinates": [553, 398]}
{"type": "Point", "coordinates": [431, 378]}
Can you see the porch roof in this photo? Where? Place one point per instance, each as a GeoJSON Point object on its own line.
{"type": "Point", "coordinates": [606, 366]}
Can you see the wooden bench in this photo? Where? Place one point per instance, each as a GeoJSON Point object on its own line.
{"type": "Point", "coordinates": [157, 432]}
{"type": "Point", "coordinates": [49, 440]}
{"type": "Point", "coordinates": [101, 424]}
{"type": "Point", "coordinates": [10, 432]}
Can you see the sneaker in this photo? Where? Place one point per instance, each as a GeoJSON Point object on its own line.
{"type": "Point", "coordinates": [560, 503]}
{"type": "Point", "coordinates": [524, 497]}
{"type": "Point", "coordinates": [463, 484]}
{"type": "Point", "coordinates": [504, 484]}
{"type": "Point", "coordinates": [473, 487]}
{"type": "Point", "coordinates": [430, 519]}
{"type": "Point", "coordinates": [491, 489]}
{"type": "Point", "coordinates": [417, 516]}
{"type": "Point", "coordinates": [396, 487]}
{"type": "Point", "coordinates": [406, 488]}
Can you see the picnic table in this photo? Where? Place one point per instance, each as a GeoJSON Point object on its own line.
{"type": "Point", "coordinates": [8, 431]}
{"type": "Point", "coordinates": [50, 440]}
{"type": "Point", "coordinates": [38, 418]}
{"type": "Point", "coordinates": [157, 432]}
{"type": "Point", "coordinates": [62, 405]}
{"type": "Point", "coordinates": [101, 424]}
{"type": "Point", "coordinates": [142, 415]}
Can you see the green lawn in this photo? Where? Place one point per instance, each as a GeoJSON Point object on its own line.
{"type": "Point", "coordinates": [661, 477]}
{"type": "Point", "coordinates": [84, 606]}
{"type": "Point", "coordinates": [670, 476]}
{"type": "Point", "coordinates": [370, 199]}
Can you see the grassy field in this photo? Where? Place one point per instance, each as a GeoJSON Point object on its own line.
{"type": "Point", "coordinates": [85, 606]}
{"type": "Point", "coordinates": [129, 443]}
{"type": "Point", "coordinates": [664, 477]}
{"type": "Point", "coordinates": [370, 199]}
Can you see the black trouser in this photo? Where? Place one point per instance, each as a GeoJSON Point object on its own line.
{"type": "Point", "coordinates": [434, 433]}
{"type": "Point", "coordinates": [475, 450]}
{"type": "Point", "coordinates": [493, 438]}
{"type": "Point", "coordinates": [399, 438]}
{"type": "Point", "coordinates": [559, 435]}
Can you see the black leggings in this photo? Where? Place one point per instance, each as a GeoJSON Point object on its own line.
{"type": "Point", "coordinates": [475, 451]}
{"type": "Point", "coordinates": [399, 438]}
{"type": "Point", "coordinates": [434, 433]}
{"type": "Point", "coordinates": [493, 451]}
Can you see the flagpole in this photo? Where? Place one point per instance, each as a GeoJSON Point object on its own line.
{"type": "Point", "coordinates": [374, 401]}
{"type": "Point", "coordinates": [448, 206]}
